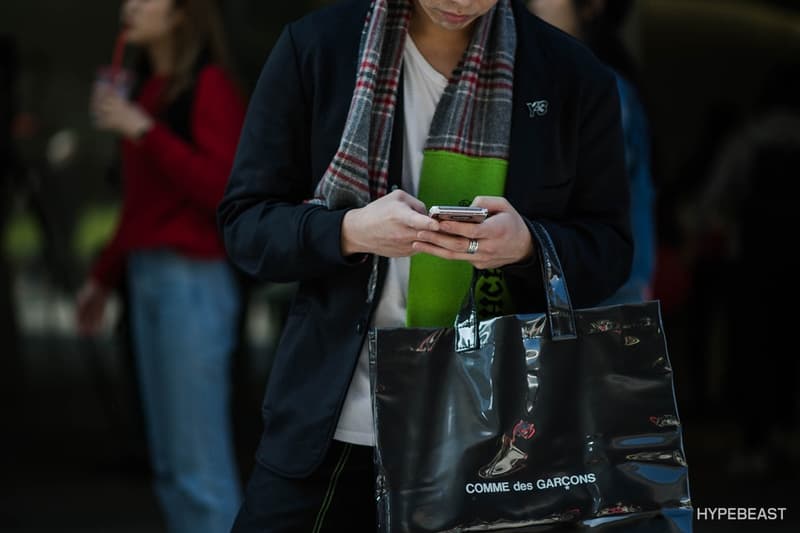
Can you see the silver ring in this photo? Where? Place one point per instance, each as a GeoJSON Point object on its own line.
{"type": "Point", "coordinates": [473, 247]}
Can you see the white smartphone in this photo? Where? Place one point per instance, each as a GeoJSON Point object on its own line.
{"type": "Point", "coordinates": [458, 213]}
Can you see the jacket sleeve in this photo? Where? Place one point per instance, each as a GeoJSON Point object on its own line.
{"type": "Point", "coordinates": [592, 238]}
{"type": "Point", "coordinates": [269, 233]}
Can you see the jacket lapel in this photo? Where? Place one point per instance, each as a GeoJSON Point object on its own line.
{"type": "Point", "coordinates": [533, 118]}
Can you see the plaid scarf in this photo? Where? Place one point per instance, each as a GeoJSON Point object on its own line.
{"type": "Point", "coordinates": [473, 117]}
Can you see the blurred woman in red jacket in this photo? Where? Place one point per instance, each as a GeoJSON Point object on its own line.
{"type": "Point", "coordinates": [179, 136]}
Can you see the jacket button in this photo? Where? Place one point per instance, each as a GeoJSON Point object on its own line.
{"type": "Point", "coordinates": [360, 327]}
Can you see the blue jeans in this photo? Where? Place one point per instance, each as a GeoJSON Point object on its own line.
{"type": "Point", "coordinates": [184, 322]}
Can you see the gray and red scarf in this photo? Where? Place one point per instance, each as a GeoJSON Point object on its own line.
{"type": "Point", "coordinates": [473, 117]}
{"type": "Point", "coordinates": [466, 154]}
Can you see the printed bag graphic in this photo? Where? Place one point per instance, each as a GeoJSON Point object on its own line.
{"type": "Point", "coordinates": [526, 423]}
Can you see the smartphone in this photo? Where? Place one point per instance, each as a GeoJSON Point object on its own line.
{"type": "Point", "coordinates": [458, 213]}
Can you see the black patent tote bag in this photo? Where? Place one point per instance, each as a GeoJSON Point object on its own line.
{"type": "Point", "coordinates": [561, 421]}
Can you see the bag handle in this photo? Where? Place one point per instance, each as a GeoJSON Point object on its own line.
{"type": "Point", "coordinates": [560, 313]}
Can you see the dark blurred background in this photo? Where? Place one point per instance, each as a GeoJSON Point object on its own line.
{"type": "Point", "coordinates": [714, 75]}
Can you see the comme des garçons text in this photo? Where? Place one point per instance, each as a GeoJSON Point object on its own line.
{"type": "Point", "coordinates": [565, 482]}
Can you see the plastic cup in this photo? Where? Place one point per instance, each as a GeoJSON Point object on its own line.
{"type": "Point", "coordinates": [117, 79]}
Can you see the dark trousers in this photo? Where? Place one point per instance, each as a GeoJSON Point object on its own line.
{"type": "Point", "coordinates": [338, 496]}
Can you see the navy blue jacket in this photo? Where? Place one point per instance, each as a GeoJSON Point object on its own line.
{"type": "Point", "coordinates": [566, 170]}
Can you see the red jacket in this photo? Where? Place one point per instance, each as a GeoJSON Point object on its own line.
{"type": "Point", "coordinates": [171, 187]}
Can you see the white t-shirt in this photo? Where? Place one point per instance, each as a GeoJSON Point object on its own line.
{"type": "Point", "coordinates": [423, 87]}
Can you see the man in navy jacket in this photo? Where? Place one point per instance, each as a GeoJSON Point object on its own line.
{"type": "Point", "coordinates": [565, 170]}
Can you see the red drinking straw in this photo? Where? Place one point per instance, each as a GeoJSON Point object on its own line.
{"type": "Point", "coordinates": [119, 51]}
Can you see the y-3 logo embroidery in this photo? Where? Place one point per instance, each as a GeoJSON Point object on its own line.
{"type": "Point", "coordinates": [538, 108]}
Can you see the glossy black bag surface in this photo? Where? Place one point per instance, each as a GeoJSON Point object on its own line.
{"type": "Point", "coordinates": [560, 421]}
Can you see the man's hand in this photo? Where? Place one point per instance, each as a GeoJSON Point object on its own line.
{"type": "Point", "coordinates": [387, 227]}
{"type": "Point", "coordinates": [502, 239]}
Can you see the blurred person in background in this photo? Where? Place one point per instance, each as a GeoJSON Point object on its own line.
{"type": "Point", "coordinates": [748, 206]}
{"type": "Point", "coordinates": [598, 23]}
{"type": "Point", "coordinates": [178, 138]}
